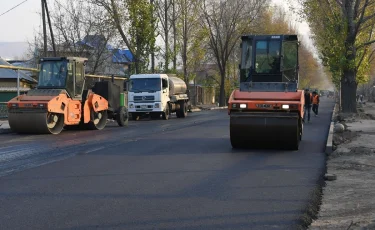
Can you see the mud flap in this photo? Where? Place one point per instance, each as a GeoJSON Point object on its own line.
{"type": "Point", "coordinates": [264, 129]}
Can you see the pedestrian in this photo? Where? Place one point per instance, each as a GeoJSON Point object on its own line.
{"type": "Point", "coordinates": [315, 103]}
{"type": "Point", "coordinates": [307, 107]}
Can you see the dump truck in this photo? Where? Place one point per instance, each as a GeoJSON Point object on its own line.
{"type": "Point", "coordinates": [63, 100]}
{"type": "Point", "coordinates": [157, 95]}
{"type": "Point", "coordinates": [267, 109]}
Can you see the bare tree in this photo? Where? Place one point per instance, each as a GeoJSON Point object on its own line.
{"type": "Point", "coordinates": [164, 8]}
{"type": "Point", "coordinates": [226, 21]}
{"type": "Point", "coordinates": [80, 29]}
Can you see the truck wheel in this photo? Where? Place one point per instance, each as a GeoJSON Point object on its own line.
{"type": "Point", "coordinates": [122, 117]}
{"type": "Point", "coordinates": [165, 114]}
{"type": "Point", "coordinates": [183, 109]}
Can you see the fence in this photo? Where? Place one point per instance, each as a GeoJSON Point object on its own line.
{"type": "Point", "coordinates": [3, 110]}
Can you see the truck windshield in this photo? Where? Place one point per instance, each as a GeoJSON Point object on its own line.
{"type": "Point", "coordinates": [53, 74]}
{"type": "Point", "coordinates": [145, 85]}
{"type": "Point", "coordinates": [267, 57]}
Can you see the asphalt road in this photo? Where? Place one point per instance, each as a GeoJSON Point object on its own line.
{"type": "Point", "coordinates": [155, 174]}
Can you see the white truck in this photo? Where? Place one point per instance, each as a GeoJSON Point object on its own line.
{"type": "Point", "coordinates": [157, 94]}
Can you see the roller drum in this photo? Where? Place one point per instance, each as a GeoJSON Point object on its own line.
{"type": "Point", "coordinates": [36, 122]}
{"type": "Point", "coordinates": [262, 129]}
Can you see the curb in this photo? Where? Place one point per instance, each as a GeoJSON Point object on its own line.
{"type": "Point", "coordinates": [329, 143]}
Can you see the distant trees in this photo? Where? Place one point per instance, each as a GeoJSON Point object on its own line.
{"type": "Point", "coordinates": [343, 31]}
{"type": "Point", "coordinates": [225, 22]}
{"type": "Point", "coordinates": [192, 33]}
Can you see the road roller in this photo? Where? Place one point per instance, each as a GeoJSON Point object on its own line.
{"type": "Point", "coordinates": [267, 109]}
{"type": "Point", "coordinates": [62, 100]}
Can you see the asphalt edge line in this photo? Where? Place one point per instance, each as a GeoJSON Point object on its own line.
{"type": "Point", "coordinates": [329, 143]}
{"type": "Point", "coordinates": [311, 212]}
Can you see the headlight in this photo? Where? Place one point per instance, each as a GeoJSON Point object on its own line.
{"type": "Point", "coordinates": [243, 106]}
{"type": "Point", "coordinates": [131, 106]}
{"type": "Point", "coordinates": [285, 106]}
{"type": "Point", "coordinates": [157, 105]}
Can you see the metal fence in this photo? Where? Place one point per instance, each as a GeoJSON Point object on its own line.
{"type": "Point", "coordinates": [3, 110]}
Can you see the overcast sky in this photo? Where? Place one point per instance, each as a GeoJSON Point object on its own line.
{"type": "Point", "coordinates": [18, 24]}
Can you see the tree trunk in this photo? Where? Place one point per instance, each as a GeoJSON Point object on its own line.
{"type": "Point", "coordinates": [348, 80]}
{"type": "Point", "coordinates": [185, 41]}
{"type": "Point", "coordinates": [174, 37]}
{"type": "Point", "coordinates": [222, 89]}
{"type": "Point", "coordinates": [166, 35]}
{"type": "Point", "coordinates": [348, 92]}
{"type": "Point", "coordinates": [153, 31]}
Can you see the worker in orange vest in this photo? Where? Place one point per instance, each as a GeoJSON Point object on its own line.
{"type": "Point", "coordinates": [315, 103]}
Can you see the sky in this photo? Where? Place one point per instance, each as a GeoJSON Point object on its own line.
{"type": "Point", "coordinates": [19, 24]}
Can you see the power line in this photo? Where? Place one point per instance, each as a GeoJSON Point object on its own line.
{"type": "Point", "coordinates": [13, 8]}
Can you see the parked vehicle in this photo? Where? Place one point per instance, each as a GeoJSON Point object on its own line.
{"type": "Point", "coordinates": [157, 95]}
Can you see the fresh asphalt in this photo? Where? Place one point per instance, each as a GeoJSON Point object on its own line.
{"type": "Point", "coordinates": [156, 174]}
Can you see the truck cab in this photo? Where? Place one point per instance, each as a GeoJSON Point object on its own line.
{"type": "Point", "coordinates": [156, 94]}
{"type": "Point", "coordinates": [147, 93]}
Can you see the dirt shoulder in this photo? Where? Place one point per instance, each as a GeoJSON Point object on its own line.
{"type": "Point", "coordinates": [348, 202]}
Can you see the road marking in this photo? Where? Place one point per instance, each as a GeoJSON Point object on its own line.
{"type": "Point", "coordinates": [93, 150]}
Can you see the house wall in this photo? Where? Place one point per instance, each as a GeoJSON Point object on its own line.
{"type": "Point", "coordinates": [13, 83]}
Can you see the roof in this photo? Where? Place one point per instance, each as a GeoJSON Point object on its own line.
{"type": "Point", "coordinates": [94, 41]}
{"type": "Point", "coordinates": [12, 74]}
{"type": "Point", "coordinates": [122, 56]}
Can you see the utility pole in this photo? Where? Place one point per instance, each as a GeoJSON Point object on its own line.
{"type": "Point", "coordinates": [50, 29]}
{"type": "Point", "coordinates": [44, 29]}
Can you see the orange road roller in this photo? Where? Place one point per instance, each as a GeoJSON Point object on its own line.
{"type": "Point", "coordinates": [61, 100]}
{"type": "Point", "coordinates": [267, 109]}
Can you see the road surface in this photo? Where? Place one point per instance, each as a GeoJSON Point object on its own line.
{"type": "Point", "coordinates": [155, 174]}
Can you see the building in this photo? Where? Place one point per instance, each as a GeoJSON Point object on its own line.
{"type": "Point", "coordinates": [203, 88]}
{"type": "Point", "coordinates": [103, 58]}
{"type": "Point", "coordinates": [8, 82]}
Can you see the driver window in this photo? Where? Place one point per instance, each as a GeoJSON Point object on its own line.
{"type": "Point", "coordinates": [164, 83]}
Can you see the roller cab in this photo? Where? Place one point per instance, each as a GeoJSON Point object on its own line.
{"type": "Point", "coordinates": [58, 101]}
{"type": "Point", "coordinates": [267, 109]}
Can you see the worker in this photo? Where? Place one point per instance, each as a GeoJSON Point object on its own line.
{"type": "Point", "coordinates": [308, 100]}
{"type": "Point", "coordinates": [315, 103]}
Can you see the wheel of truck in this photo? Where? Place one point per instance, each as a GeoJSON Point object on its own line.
{"type": "Point", "coordinates": [183, 109]}
{"type": "Point", "coordinates": [122, 117]}
{"type": "Point", "coordinates": [300, 130]}
{"type": "Point", "coordinates": [165, 114]}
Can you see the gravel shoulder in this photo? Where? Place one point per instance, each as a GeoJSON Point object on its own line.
{"type": "Point", "coordinates": [348, 202]}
